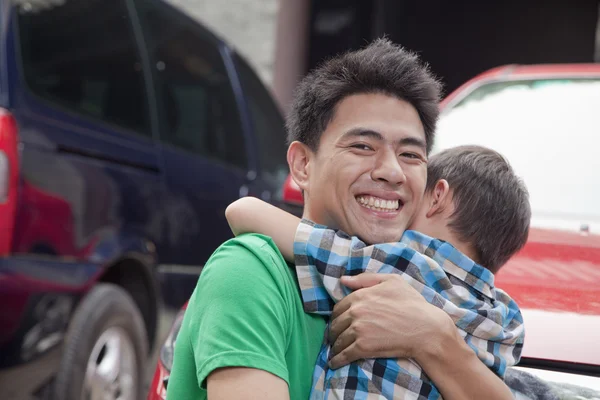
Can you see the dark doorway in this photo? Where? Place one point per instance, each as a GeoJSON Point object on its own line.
{"type": "Point", "coordinates": [460, 39]}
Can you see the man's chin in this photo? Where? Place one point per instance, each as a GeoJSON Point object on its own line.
{"type": "Point", "coordinates": [373, 233]}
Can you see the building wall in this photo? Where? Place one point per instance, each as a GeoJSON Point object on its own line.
{"type": "Point", "coordinates": [248, 25]}
{"type": "Point", "coordinates": [282, 39]}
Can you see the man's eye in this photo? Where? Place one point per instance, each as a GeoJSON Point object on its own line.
{"type": "Point", "coordinates": [410, 155]}
{"type": "Point", "coordinates": [361, 146]}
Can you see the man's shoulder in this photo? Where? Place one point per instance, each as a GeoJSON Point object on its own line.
{"type": "Point", "coordinates": [248, 265]}
{"type": "Point", "coordinates": [243, 260]}
{"type": "Point", "coordinates": [251, 244]}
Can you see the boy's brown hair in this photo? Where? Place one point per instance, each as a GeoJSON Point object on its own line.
{"type": "Point", "coordinates": [492, 210]}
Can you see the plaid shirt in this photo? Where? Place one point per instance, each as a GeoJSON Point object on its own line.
{"type": "Point", "coordinates": [486, 317]}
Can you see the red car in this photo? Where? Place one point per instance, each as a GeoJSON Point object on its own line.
{"type": "Point", "coordinates": [544, 120]}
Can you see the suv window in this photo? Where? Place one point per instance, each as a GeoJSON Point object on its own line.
{"type": "Point", "coordinates": [268, 126]}
{"type": "Point", "coordinates": [82, 56]}
{"type": "Point", "coordinates": [196, 103]}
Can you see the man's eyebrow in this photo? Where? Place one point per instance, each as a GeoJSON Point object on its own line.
{"type": "Point", "coordinates": [365, 132]}
{"type": "Point", "coordinates": [362, 132]}
{"type": "Point", "coordinates": [413, 141]}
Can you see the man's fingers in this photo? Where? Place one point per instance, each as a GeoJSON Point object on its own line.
{"type": "Point", "coordinates": [338, 325]}
{"type": "Point", "coordinates": [349, 343]}
{"type": "Point", "coordinates": [345, 357]}
{"type": "Point", "coordinates": [344, 304]}
{"type": "Point", "coordinates": [364, 280]}
{"type": "Point", "coordinates": [343, 340]}
{"type": "Point", "coordinates": [341, 307]}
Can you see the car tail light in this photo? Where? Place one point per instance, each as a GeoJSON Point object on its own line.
{"type": "Point", "coordinates": [168, 349]}
{"type": "Point", "coordinates": [9, 173]}
{"type": "Point", "coordinates": [292, 193]}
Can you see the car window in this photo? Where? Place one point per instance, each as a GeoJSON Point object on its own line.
{"type": "Point", "coordinates": [72, 58]}
{"type": "Point", "coordinates": [268, 126]}
{"type": "Point", "coordinates": [196, 104]}
{"type": "Point", "coordinates": [548, 131]}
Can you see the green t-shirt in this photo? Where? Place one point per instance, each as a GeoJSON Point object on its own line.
{"type": "Point", "coordinates": [246, 311]}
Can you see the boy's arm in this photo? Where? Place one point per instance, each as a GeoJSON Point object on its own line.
{"type": "Point", "coordinates": [250, 214]}
{"type": "Point", "coordinates": [322, 257]}
{"type": "Point", "coordinates": [321, 248]}
{"type": "Point", "coordinates": [325, 255]}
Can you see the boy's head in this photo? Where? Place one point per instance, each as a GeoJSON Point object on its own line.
{"type": "Point", "coordinates": [474, 200]}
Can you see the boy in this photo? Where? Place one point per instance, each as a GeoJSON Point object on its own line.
{"type": "Point", "coordinates": [454, 272]}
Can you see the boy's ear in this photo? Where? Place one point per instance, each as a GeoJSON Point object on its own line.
{"type": "Point", "coordinates": [298, 158]}
{"type": "Point", "coordinates": [440, 198]}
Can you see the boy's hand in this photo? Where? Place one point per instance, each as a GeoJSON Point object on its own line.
{"type": "Point", "coordinates": [385, 318]}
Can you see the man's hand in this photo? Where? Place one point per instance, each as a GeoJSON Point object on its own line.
{"type": "Point", "coordinates": [387, 318]}
{"type": "Point", "coordinates": [384, 317]}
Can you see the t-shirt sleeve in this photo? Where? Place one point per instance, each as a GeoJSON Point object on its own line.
{"type": "Point", "coordinates": [239, 314]}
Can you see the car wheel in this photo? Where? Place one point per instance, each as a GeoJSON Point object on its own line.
{"type": "Point", "coordinates": [105, 349]}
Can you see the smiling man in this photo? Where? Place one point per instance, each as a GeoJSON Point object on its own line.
{"type": "Point", "coordinates": [368, 173]}
{"type": "Point", "coordinates": [360, 129]}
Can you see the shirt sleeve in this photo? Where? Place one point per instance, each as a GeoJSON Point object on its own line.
{"type": "Point", "coordinates": [324, 255]}
{"type": "Point", "coordinates": [238, 312]}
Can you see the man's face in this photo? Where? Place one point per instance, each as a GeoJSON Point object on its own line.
{"type": "Point", "coordinates": [369, 173]}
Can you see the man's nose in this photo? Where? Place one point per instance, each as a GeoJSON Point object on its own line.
{"type": "Point", "coordinates": [388, 169]}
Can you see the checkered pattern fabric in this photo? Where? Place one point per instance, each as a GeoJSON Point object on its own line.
{"type": "Point", "coordinates": [486, 317]}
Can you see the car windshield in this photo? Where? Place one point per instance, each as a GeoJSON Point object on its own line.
{"type": "Point", "coordinates": [549, 130]}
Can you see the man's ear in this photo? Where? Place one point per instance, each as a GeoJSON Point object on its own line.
{"type": "Point", "coordinates": [440, 198]}
{"type": "Point", "coordinates": [298, 158]}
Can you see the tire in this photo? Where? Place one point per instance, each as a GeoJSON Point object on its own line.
{"type": "Point", "coordinates": [106, 324]}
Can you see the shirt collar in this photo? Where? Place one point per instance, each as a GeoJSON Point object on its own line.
{"type": "Point", "coordinates": [451, 260]}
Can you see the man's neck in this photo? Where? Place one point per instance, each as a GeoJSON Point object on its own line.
{"type": "Point", "coordinates": [317, 220]}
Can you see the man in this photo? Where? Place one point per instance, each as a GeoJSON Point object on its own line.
{"type": "Point", "coordinates": [362, 124]}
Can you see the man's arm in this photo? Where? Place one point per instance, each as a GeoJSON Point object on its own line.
{"type": "Point", "coordinates": [245, 383]}
{"type": "Point", "coordinates": [385, 317]}
{"type": "Point", "coordinates": [458, 373]}
{"type": "Point", "coordinates": [250, 214]}
{"type": "Point", "coordinates": [238, 323]}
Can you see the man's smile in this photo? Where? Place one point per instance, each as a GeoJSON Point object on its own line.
{"type": "Point", "coordinates": [388, 208]}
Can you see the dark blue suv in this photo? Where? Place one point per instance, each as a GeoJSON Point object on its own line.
{"type": "Point", "coordinates": [126, 128]}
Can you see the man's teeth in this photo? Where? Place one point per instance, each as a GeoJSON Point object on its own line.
{"type": "Point", "coordinates": [378, 204]}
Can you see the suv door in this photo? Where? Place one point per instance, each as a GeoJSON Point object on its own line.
{"type": "Point", "coordinates": [83, 114]}
{"type": "Point", "coordinates": [203, 140]}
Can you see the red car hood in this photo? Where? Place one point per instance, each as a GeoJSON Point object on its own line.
{"type": "Point", "coordinates": [555, 280]}
{"type": "Point", "coordinates": [556, 271]}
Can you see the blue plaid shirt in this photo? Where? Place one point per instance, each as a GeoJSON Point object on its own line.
{"type": "Point", "coordinates": [486, 317]}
